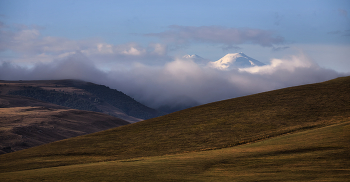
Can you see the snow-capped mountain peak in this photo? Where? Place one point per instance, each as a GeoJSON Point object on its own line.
{"type": "Point", "coordinates": [235, 60]}
{"type": "Point", "coordinates": [197, 59]}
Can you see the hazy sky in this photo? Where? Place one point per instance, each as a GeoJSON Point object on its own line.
{"type": "Point", "coordinates": [141, 40]}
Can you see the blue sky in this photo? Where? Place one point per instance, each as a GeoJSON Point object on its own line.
{"type": "Point", "coordinates": [301, 24]}
{"type": "Point", "coordinates": [118, 36]}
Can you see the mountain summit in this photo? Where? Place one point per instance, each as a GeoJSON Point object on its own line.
{"type": "Point", "coordinates": [235, 60]}
{"type": "Point", "coordinates": [197, 59]}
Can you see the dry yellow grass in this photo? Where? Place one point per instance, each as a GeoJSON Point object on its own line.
{"type": "Point", "coordinates": [321, 154]}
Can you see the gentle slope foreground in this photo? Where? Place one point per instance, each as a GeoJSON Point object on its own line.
{"type": "Point", "coordinates": [321, 154]}
{"type": "Point", "coordinates": [302, 109]}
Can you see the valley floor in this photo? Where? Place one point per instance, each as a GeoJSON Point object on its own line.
{"type": "Point", "coordinates": [321, 154]}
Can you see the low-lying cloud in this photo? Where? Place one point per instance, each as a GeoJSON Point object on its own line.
{"type": "Point", "coordinates": [179, 81]}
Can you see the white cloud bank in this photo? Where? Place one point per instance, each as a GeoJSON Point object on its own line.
{"type": "Point", "coordinates": [289, 65]}
{"type": "Point", "coordinates": [179, 81]}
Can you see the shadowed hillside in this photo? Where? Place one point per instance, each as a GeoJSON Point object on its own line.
{"type": "Point", "coordinates": [83, 96]}
{"type": "Point", "coordinates": [212, 126]}
{"type": "Point", "coordinates": [26, 122]}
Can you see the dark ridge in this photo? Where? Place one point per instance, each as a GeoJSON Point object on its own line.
{"type": "Point", "coordinates": [116, 98]}
{"type": "Point", "coordinates": [122, 101]}
{"type": "Point", "coordinates": [73, 101]}
{"type": "Point", "coordinates": [95, 97]}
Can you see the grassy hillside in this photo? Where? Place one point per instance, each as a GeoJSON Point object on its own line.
{"type": "Point", "coordinates": [321, 154]}
{"type": "Point", "coordinates": [26, 122]}
{"type": "Point", "coordinates": [211, 126]}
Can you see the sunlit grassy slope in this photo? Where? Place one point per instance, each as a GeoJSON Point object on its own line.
{"type": "Point", "coordinates": [321, 154]}
{"type": "Point", "coordinates": [211, 126]}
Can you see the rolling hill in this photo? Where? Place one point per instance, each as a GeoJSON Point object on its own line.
{"type": "Point", "coordinates": [26, 122]}
{"type": "Point", "coordinates": [320, 154]}
{"type": "Point", "coordinates": [81, 95]}
{"type": "Point", "coordinates": [212, 126]}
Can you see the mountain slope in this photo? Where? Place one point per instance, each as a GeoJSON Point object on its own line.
{"type": "Point", "coordinates": [235, 60]}
{"type": "Point", "coordinates": [27, 122]}
{"type": "Point", "coordinates": [211, 126]}
{"type": "Point", "coordinates": [81, 95]}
